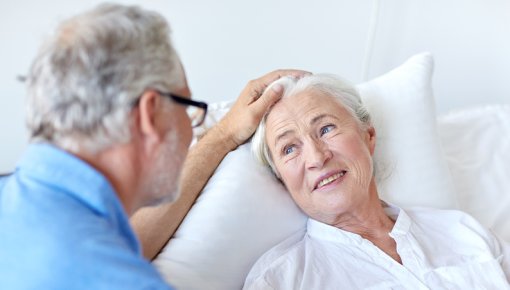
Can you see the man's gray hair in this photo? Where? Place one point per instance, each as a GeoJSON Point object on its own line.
{"type": "Point", "coordinates": [329, 84]}
{"type": "Point", "coordinates": [87, 76]}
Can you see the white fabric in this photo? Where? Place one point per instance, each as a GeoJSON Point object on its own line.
{"type": "Point", "coordinates": [440, 249]}
{"type": "Point", "coordinates": [215, 112]}
{"type": "Point", "coordinates": [401, 104]}
{"type": "Point", "coordinates": [477, 146]}
{"type": "Point", "coordinates": [243, 211]}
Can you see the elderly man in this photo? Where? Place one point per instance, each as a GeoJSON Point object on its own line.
{"type": "Point", "coordinates": [107, 100]}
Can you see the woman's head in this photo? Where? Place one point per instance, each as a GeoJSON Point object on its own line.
{"type": "Point", "coordinates": [319, 140]}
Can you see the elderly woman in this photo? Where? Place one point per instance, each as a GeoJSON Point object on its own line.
{"type": "Point", "coordinates": [319, 141]}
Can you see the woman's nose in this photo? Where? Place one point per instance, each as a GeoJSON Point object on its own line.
{"type": "Point", "coordinates": [317, 154]}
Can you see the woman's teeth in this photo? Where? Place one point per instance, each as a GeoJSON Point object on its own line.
{"type": "Point", "coordinates": [330, 179]}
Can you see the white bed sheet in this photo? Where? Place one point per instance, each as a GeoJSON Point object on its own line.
{"type": "Point", "coordinates": [476, 143]}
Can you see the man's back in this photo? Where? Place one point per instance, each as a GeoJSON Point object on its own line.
{"type": "Point", "coordinates": [63, 227]}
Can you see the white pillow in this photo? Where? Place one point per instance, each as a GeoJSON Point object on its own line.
{"type": "Point", "coordinates": [244, 211]}
{"type": "Point", "coordinates": [476, 142]}
{"type": "Point", "coordinates": [410, 164]}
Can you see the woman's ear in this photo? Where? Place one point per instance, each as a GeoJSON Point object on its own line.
{"type": "Point", "coordinates": [371, 139]}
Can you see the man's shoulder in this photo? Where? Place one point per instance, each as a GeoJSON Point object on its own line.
{"type": "Point", "coordinates": [92, 259]}
{"type": "Point", "coordinates": [56, 239]}
{"type": "Point", "coordinates": [69, 273]}
{"type": "Point", "coordinates": [119, 265]}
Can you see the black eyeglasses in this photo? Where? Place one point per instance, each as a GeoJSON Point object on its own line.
{"type": "Point", "coordinates": [196, 110]}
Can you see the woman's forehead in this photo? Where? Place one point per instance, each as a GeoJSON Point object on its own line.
{"type": "Point", "coordinates": [298, 114]}
{"type": "Point", "coordinates": [305, 105]}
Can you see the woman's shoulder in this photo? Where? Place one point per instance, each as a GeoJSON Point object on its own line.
{"type": "Point", "coordinates": [452, 223]}
{"type": "Point", "coordinates": [427, 216]}
{"type": "Point", "coordinates": [277, 257]}
{"type": "Point", "coordinates": [435, 215]}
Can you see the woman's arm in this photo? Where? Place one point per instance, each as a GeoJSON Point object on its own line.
{"type": "Point", "coordinates": [156, 225]}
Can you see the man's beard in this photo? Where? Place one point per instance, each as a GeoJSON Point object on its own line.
{"type": "Point", "coordinates": [163, 181]}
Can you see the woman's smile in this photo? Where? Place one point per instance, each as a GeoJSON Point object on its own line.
{"type": "Point", "coordinates": [330, 180]}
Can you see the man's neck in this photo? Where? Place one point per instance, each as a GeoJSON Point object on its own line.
{"type": "Point", "coordinates": [117, 166]}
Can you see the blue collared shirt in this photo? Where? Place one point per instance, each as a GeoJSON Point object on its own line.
{"type": "Point", "coordinates": [3, 180]}
{"type": "Point", "coordinates": [63, 227]}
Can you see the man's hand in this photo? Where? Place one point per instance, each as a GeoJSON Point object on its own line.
{"type": "Point", "coordinates": [243, 118]}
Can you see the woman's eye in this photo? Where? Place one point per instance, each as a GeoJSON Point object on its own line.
{"type": "Point", "coordinates": [326, 129]}
{"type": "Point", "coordinates": [288, 149]}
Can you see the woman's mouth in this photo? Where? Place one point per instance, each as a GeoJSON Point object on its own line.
{"type": "Point", "coordinates": [330, 179]}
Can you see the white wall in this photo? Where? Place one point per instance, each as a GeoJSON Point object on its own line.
{"type": "Point", "coordinates": [225, 43]}
{"type": "Point", "coordinates": [470, 40]}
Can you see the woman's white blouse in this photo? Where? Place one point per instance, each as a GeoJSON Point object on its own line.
{"type": "Point", "coordinates": [440, 249]}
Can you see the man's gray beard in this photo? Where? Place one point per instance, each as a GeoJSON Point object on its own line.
{"type": "Point", "coordinates": [167, 179]}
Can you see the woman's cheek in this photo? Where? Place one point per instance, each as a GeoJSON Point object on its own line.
{"type": "Point", "coordinates": [292, 176]}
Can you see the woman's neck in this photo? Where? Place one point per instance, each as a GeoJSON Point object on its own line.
{"type": "Point", "coordinates": [371, 222]}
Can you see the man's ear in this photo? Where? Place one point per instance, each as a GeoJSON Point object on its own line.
{"type": "Point", "coordinates": [149, 107]}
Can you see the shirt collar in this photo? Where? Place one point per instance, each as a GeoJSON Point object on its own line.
{"type": "Point", "coordinates": [66, 173]}
{"type": "Point", "coordinates": [322, 231]}
{"type": "Point", "coordinates": [402, 220]}
{"type": "Point", "coordinates": [63, 171]}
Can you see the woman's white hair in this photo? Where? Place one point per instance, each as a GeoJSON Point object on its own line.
{"type": "Point", "coordinates": [340, 89]}
{"type": "Point", "coordinates": [87, 76]}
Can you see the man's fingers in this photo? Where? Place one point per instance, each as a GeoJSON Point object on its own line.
{"type": "Point", "coordinates": [270, 96]}
{"type": "Point", "coordinates": [274, 75]}
{"type": "Point", "coordinates": [256, 87]}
